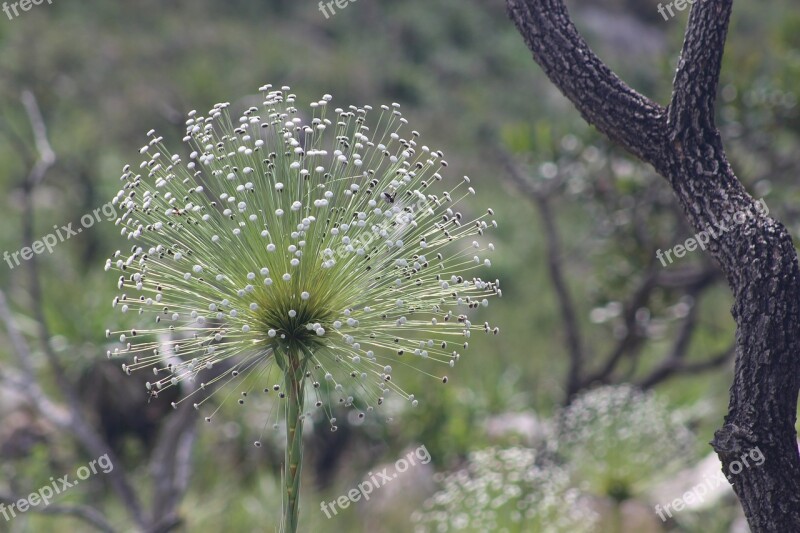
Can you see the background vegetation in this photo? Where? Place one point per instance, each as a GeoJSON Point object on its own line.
{"type": "Point", "coordinates": [104, 73]}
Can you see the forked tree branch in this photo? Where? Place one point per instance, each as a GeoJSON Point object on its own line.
{"type": "Point", "coordinates": [24, 383]}
{"type": "Point", "coordinates": [756, 254]}
{"type": "Point", "coordinates": [64, 418]}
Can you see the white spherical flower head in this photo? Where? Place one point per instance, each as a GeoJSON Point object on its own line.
{"type": "Point", "coordinates": [329, 248]}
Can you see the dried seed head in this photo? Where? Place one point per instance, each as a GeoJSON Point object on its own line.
{"type": "Point", "coordinates": [343, 213]}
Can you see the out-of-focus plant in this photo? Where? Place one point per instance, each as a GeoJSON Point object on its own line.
{"type": "Point", "coordinates": [618, 440]}
{"type": "Point", "coordinates": [506, 490]}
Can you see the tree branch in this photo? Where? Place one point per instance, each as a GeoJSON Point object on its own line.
{"type": "Point", "coordinates": [78, 426]}
{"type": "Point", "coordinates": [677, 367]}
{"type": "Point", "coordinates": [631, 338]}
{"type": "Point", "coordinates": [604, 100]}
{"type": "Point", "coordinates": [555, 269]}
{"type": "Point", "coordinates": [691, 111]}
{"type": "Point", "coordinates": [47, 157]}
{"type": "Point", "coordinates": [756, 254]}
{"type": "Point", "coordinates": [170, 464]}
{"type": "Point", "coordinates": [25, 383]}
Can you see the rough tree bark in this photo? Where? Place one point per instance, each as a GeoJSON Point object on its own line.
{"type": "Point", "coordinates": [757, 256]}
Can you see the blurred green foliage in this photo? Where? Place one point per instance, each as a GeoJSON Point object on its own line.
{"type": "Point", "coordinates": [106, 72]}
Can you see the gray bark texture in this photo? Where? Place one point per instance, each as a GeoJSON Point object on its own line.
{"type": "Point", "coordinates": [757, 256]}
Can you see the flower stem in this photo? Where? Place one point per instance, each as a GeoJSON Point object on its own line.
{"type": "Point", "coordinates": [295, 396]}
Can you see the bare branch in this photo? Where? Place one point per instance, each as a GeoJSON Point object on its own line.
{"type": "Point", "coordinates": [757, 256]}
{"type": "Point", "coordinates": [46, 155]}
{"type": "Point", "coordinates": [78, 425]}
{"type": "Point", "coordinates": [631, 338]}
{"type": "Point", "coordinates": [25, 383]}
{"type": "Point", "coordinates": [671, 368]}
{"type": "Point", "coordinates": [46, 158]}
{"type": "Point", "coordinates": [555, 269]}
{"type": "Point", "coordinates": [170, 464]}
{"type": "Point", "coordinates": [692, 278]}
{"type": "Point", "coordinates": [63, 418]}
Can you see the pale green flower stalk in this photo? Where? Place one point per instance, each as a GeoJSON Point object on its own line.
{"type": "Point", "coordinates": [307, 258]}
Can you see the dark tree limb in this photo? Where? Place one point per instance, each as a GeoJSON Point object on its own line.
{"type": "Point", "coordinates": [677, 367]}
{"type": "Point", "coordinates": [603, 99]}
{"type": "Point", "coordinates": [556, 271]}
{"type": "Point", "coordinates": [631, 340]}
{"type": "Point", "coordinates": [695, 86]}
{"type": "Point", "coordinates": [756, 256]}
{"type": "Point", "coordinates": [692, 280]}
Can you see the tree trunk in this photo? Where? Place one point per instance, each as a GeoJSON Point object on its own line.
{"type": "Point", "coordinates": [754, 251]}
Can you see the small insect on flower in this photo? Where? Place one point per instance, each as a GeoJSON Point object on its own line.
{"type": "Point", "coordinates": [313, 248]}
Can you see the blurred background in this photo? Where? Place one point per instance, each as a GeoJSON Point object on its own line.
{"type": "Point", "coordinates": [594, 404]}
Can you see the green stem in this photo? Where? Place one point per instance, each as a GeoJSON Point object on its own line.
{"type": "Point", "coordinates": [295, 396]}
